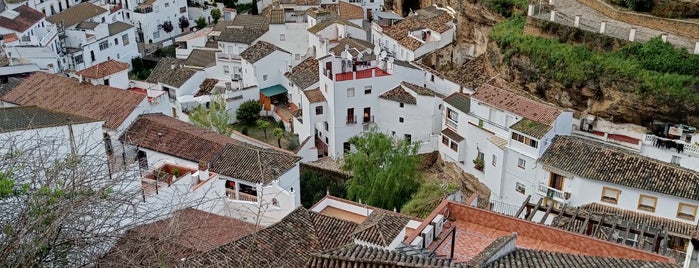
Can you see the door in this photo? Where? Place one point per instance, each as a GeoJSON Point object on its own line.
{"type": "Point", "coordinates": [350, 116]}
{"type": "Point", "coordinates": [367, 115]}
{"type": "Point", "coordinates": [368, 14]}
{"type": "Point", "coordinates": [329, 69]}
{"type": "Point", "coordinates": [556, 181]}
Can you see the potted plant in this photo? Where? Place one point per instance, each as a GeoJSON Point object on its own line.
{"type": "Point", "coordinates": [478, 164]}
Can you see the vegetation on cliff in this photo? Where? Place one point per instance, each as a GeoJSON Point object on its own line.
{"type": "Point", "coordinates": [654, 68]}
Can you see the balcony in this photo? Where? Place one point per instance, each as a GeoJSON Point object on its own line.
{"type": "Point", "coordinates": [368, 73]}
{"type": "Point", "coordinates": [671, 145]}
{"type": "Point", "coordinates": [241, 196]}
{"type": "Point", "coordinates": [227, 57]}
{"type": "Point", "coordinates": [115, 8]}
{"type": "Point", "coordinates": [616, 139]}
{"type": "Point", "coordinates": [453, 125]}
{"type": "Point", "coordinates": [144, 9]}
{"type": "Point", "coordinates": [553, 193]}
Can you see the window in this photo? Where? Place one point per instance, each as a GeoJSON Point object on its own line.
{"type": "Point", "coordinates": [275, 202]}
{"type": "Point", "coordinates": [431, 78]}
{"type": "Point", "coordinates": [346, 147]}
{"type": "Point", "coordinates": [520, 188]}
{"type": "Point", "coordinates": [350, 92]}
{"type": "Point", "coordinates": [226, 69]}
{"type": "Point", "coordinates": [401, 105]}
{"type": "Point", "coordinates": [494, 160]}
{"type": "Point", "coordinates": [400, 119]}
{"type": "Point", "coordinates": [454, 146]}
{"type": "Point", "coordinates": [351, 118]}
{"type": "Point", "coordinates": [445, 140]}
{"type": "Point", "coordinates": [610, 195]}
{"type": "Point", "coordinates": [156, 34]}
{"type": "Point", "coordinates": [367, 90]}
{"type": "Point", "coordinates": [182, 10]}
{"type": "Point", "coordinates": [647, 203]}
{"type": "Point", "coordinates": [92, 55]}
{"type": "Point", "coordinates": [167, 4]}
{"type": "Point", "coordinates": [521, 163]}
{"type": "Point", "coordinates": [297, 56]}
{"type": "Point", "coordinates": [264, 77]}
{"type": "Point", "coordinates": [104, 45]}
{"type": "Point", "coordinates": [676, 160]}
{"type": "Point", "coordinates": [526, 140]}
{"type": "Point", "coordinates": [78, 59]}
{"type": "Point", "coordinates": [408, 138]}
{"type": "Point", "coordinates": [116, 41]}
{"type": "Point", "coordinates": [282, 37]}
{"type": "Point", "coordinates": [686, 211]}
{"type": "Point", "coordinates": [319, 110]}
{"type": "Point", "coordinates": [326, 125]}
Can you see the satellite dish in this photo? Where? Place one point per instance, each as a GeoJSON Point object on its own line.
{"type": "Point", "coordinates": [368, 51]}
{"type": "Point", "coordinates": [382, 55]}
{"type": "Point", "coordinates": [377, 49]}
{"type": "Point", "coordinates": [346, 47]}
{"type": "Point", "coordinates": [345, 55]}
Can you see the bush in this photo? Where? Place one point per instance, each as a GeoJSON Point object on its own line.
{"type": "Point", "coordinates": [244, 131]}
{"type": "Point", "coordinates": [502, 7]}
{"type": "Point", "coordinates": [636, 5]}
{"type": "Point", "coordinates": [676, 9]}
{"type": "Point", "coordinates": [201, 23]}
{"type": "Point", "coordinates": [315, 186]}
{"type": "Point", "coordinates": [427, 198]}
{"type": "Point", "coordinates": [293, 142]}
{"type": "Point", "coordinates": [249, 111]}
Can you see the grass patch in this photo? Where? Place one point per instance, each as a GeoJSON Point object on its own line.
{"type": "Point", "coordinates": [256, 133]}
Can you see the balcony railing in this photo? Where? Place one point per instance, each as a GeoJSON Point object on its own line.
{"type": "Point", "coordinates": [368, 73]}
{"type": "Point", "coordinates": [241, 196]}
{"type": "Point", "coordinates": [143, 9]}
{"type": "Point", "coordinates": [687, 148]}
{"type": "Point", "coordinates": [227, 56]}
{"type": "Point", "coordinates": [553, 193]}
{"type": "Point", "coordinates": [115, 8]}
{"type": "Point", "coordinates": [450, 123]}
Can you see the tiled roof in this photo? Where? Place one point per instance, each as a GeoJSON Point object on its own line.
{"type": "Point", "coordinates": [525, 258]}
{"type": "Point", "coordinates": [177, 138]}
{"type": "Point", "coordinates": [203, 58]}
{"type": "Point", "coordinates": [76, 14]}
{"type": "Point", "coordinates": [305, 74]}
{"type": "Point", "coordinates": [11, 83]}
{"type": "Point", "coordinates": [314, 95]}
{"type": "Point", "coordinates": [104, 69]}
{"type": "Point", "coordinates": [25, 19]}
{"type": "Point", "coordinates": [276, 15]}
{"type": "Point", "coordinates": [329, 21]}
{"type": "Point", "coordinates": [531, 128]}
{"type": "Point", "coordinates": [354, 46]}
{"type": "Point", "coordinates": [171, 72]}
{"type": "Point", "coordinates": [206, 87]}
{"type": "Point", "coordinates": [497, 141]}
{"type": "Point", "coordinates": [287, 243]}
{"type": "Point", "coordinates": [594, 160]}
{"type": "Point", "coordinates": [452, 135]}
{"type": "Point", "coordinates": [259, 50]}
{"type": "Point", "coordinates": [87, 25]}
{"type": "Point", "coordinates": [399, 94]}
{"type": "Point", "coordinates": [420, 90]}
{"type": "Point", "coordinates": [252, 164]}
{"type": "Point", "coordinates": [366, 256]}
{"type": "Point", "coordinates": [32, 117]}
{"type": "Point", "coordinates": [460, 101]}
{"type": "Point", "coordinates": [400, 30]}
{"type": "Point", "coordinates": [517, 104]}
{"type": "Point", "coordinates": [241, 35]}
{"type": "Point", "coordinates": [650, 221]}
{"type": "Point", "coordinates": [166, 242]}
{"type": "Point", "coordinates": [380, 228]}
{"type": "Point", "coordinates": [345, 10]}
{"type": "Point", "coordinates": [118, 27]}
{"type": "Point", "coordinates": [250, 21]}
{"type": "Point", "coordinates": [307, 2]}
{"type": "Point", "coordinates": [68, 95]}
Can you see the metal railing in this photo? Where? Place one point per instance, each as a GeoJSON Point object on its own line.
{"type": "Point", "coordinates": [550, 192]}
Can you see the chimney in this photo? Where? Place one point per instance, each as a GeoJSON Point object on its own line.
{"type": "Point", "coordinates": [80, 78]}
{"type": "Point", "coordinates": [203, 171]}
{"type": "Point", "coordinates": [228, 87]}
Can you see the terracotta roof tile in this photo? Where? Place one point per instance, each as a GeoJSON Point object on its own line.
{"type": "Point", "coordinates": [76, 14]}
{"type": "Point", "coordinates": [206, 87]}
{"type": "Point", "coordinates": [345, 10]}
{"type": "Point", "coordinates": [259, 50]}
{"type": "Point", "coordinates": [32, 117]}
{"type": "Point", "coordinates": [436, 21]}
{"type": "Point", "coordinates": [527, 258]}
{"type": "Point", "coordinates": [253, 164]}
{"type": "Point", "coordinates": [171, 72]}
{"type": "Point", "coordinates": [460, 101]}
{"type": "Point", "coordinates": [11, 37]}
{"type": "Point", "coordinates": [68, 95]}
{"type": "Point", "coordinates": [287, 243]}
{"type": "Point", "coordinates": [517, 104]}
{"type": "Point", "coordinates": [202, 58]}
{"type": "Point", "coordinates": [380, 228]}
{"type": "Point", "coordinates": [354, 47]}
{"type": "Point", "coordinates": [104, 69]}
{"type": "Point", "coordinates": [179, 139]}
{"type": "Point", "coordinates": [651, 221]}
{"type": "Point", "coordinates": [531, 128]}
{"type": "Point", "coordinates": [25, 19]}
{"type": "Point", "coordinates": [167, 241]}
{"type": "Point", "coordinates": [314, 95]}
{"type": "Point", "coordinates": [420, 90]}
{"type": "Point", "coordinates": [366, 256]}
{"type": "Point", "coordinates": [593, 160]}
{"type": "Point", "coordinates": [328, 21]}
{"type": "Point", "coordinates": [399, 94]}
{"type": "Point", "coordinates": [305, 74]}
{"type": "Point", "coordinates": [241, 35]}
{"type": "Point", "coordinates": [452, 135]}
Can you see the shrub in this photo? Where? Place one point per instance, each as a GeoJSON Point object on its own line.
{"type": "Point", "coordinates": [249, 111]}
{"type": "Point", "coordinates": [293, 142]}
{"type": "Point", "coordinates": [244, 131]}
{"type": "Point", "coordinates": [676, 9]}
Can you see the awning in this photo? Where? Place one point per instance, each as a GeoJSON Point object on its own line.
{"type": "Point", "coordinates": [452, 135]}
{"type": "Point", "coordinates": [273, 90]}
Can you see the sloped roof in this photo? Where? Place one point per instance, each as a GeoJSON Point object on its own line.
{"type": "Point", "coordinates": [345, 10]}
{"type": "Point", "coordinates": [25, 19]}
{"type": "Point", "coordinates": [527, 258]}
{"type": "Point", "coordinates": [68, 95]}
{"type": "Point", "coordinates": [354, 47]}
{"type": "Point", "coordinates": [314, 95]}
{"type": "Point", "coordinates": [118, 27]}
{"type": "Point", "coordinates": [170, 71]}
{"type": "Point", "coordinates": [517, 104]}
{"type": "Point", "coordinates": [253, 164]}
{"type": "Point", "coordinates": [420, 90]}
{"type": "Point", "coordinates": [32, 117]}
{"type": "Point", "coordinates": [104, 69]}
{"type": "Point", "coordinates": [241, 35]}
{"type": "Point", "coordinates": [76, 14]}
{"type": "Point", "coordinates": [380, 228]}
{"type": "Point", "coordinates": [596, 161]}
{"type": "Point", "coordinates": [259, 50]}
{"type": "Point", "coordinates": [203, 58]}
{"type": "Point", "coordinates": [366, 256]}
{"type": "Point", "coordinates": [287, 243]}
{"type": "Point", "coordinates": [250, 21]}
{"type": "Point", "coordinates": [305, 74]}
{"type": "Point", "coordinates": [399, 94]}
{"type": "Point", "coordinates": [650, 221]}
{"type": "Point", "coordinates": [460, 101]}
{"type": "Point", "coordinates": [329, 21]}
{"type": "Point", "coordinates": [437, 22]}
{"type": "Point", "coordinates": [452, 135]}
{"type": "Point", "coordinates": [531, 128]}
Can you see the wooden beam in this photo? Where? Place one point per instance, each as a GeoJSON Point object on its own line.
{"type": "Point", "coordinates": [584, 225]}
{"type": "Point", "coordinates": [543, 220]}
{"type": "Point", "coordinates": [530, 215]}
{"type": "Point", "coordinates": [599, 224]}
{"type": "Point", "coordinates": [559, 215]}
{"type": "Point", "coordinates": [641, 237]}
{"type": "Point", "coordinates": [524, 205]}
{"type": "Point", "coordinates": [611, 231]}
{"type": "Point", "coordinates": [574, 217]}
{"type": "Point", "coordinates": [628, 229]}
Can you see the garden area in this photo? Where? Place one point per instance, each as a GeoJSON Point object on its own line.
{"type": "Point", "coordinates": [257, 129]}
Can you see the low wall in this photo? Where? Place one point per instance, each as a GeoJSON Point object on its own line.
{"type": "Point", "coordinates": [678, 27]}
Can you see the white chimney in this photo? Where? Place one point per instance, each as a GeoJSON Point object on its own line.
{"type": "Point", "coordinates": [203, 171]}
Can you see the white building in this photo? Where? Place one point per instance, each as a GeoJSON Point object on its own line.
{"type": "Point", "coordinates": [149, 17]}
{"type": "Point", "coordinates": [109, 73]}
{"type": "Point", "coordinates": [43, 57]}
{"type": "Point", "coordinates": [368, 7]}
{"type": "Point", "coordinates": [288, 31]}
{"type": "Point", "coordinates": [420, 33]}
{"type": "Point", "coordinates": [328, 31]}
{"type": "Point", "coordinates": [263, 66]}
{"type": "Point", "coordinates": [24, 26]}
{"type": "Point", "coordinates": [186, 43]}
{"type": "Point", "coordinates": [242, 32]}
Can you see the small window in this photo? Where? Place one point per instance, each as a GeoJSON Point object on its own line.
{"type": "Point", "coordinates": [445, 140]}
{"type": "Point", "coordinates": [676, 160]}
{"type": "Point", "coordinates": [686, 211]}
{"type": "Point", "coordinates": [350, 92]}
{"type": "Point", "coordinates": [116, 41]}
{"type": "Point", "coordinates": [282, 37]}
{"type": "Point", "coordinates": [367, 90]}
{"type": "Point", "coordinates": [402, 105]}
{"type": "Point", "coordinates": [647, 203]}
{"type": "Point", "coordinates": [226, 69]}
{"type": "Point", "coordinates": [264, 77]}
{"type": "Point", "coordinates": [275, 202]}
{"type": "Point", "coordinates": [156, 34]}
{"type": "Point", "coordinates": [78, 59]}
{"type": "Point", "coordinates": [432, 78]}
{"type": "Point", "coordinates": [346, 147]}
{"type": "Point", "coordinates": [297, 56]}
{"type": "Point", "coordinates": [520, 188]}
{"type": "Point", "coordinates": [454, 146]}
{"type": "Point", "coordinates": [167, 4]}
{"type": "Point", "coordinates": [494, 160]}
{"type": "Point", "coordinates": [400, 119]}
{"type": "Point", "coordinates": [610, 195]}
{"type": "Point", "coordinates": [319, 110]}
{"type": "Point", "coordinates": [408, 138]}
{"type": "Point", "coordinates": [104, 45]}
{"type": "Point", "coordinates": [521, 163]}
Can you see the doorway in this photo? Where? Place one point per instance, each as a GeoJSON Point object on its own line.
{"type": "Point", "coordinates": [556, 181]}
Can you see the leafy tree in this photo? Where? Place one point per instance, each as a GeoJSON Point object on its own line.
{"type": "Point", "coordinates": [184, 23]}
{"type": "Point", "coordinates": [215, 14]}
{"type": "Point", "coordinates": [384, 171]}
{"type": "Point", "coordinates": [254, 10]}
{"type": "Point", "coordinates": [215, 118]}
{"type": "Point", "coordinates": [201, 23]}
{"type": "Point", "coordinates": [293, 142]}
{"type": "Point", "coordinates": [167, 26]}
{"type": "Point", "coordinates": [264, 125]}
{"type": "Point", "coordinates": [314, 186]}
{"type": "Point", "coordinates": [279, 133]}
{"type": "Point", "coordinates": [248, 111]}
{"type": "Point", "coordinates": [229, 3]}
{"type": "Point", "coordinates": [427, 198]}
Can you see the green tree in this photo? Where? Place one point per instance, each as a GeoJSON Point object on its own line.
{"type": "Point", "coordinates": [315, 186]}
{"type": "Point", "coordinates": [215, 118]}
{"type": "Point", "coordinates": [248, 111]}
{"type": "Point", "coordinates": [215, 14]}
{"type": "Point", "coordinates": [427, 198]}
{"type": "Point", "coordinates": [264, 125]}
{"type": "Point", "coordinates": [279, 133]}
{"type": "Point", "coordinates": [201, 23]}
{"type": "Point", "coordinates": [384, 171]}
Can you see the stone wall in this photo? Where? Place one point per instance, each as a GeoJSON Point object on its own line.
{"type": "Point", "coordinates": [678, 27]}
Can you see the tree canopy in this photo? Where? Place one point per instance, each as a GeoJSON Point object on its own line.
{"type": "Point", "coordinates": [384, 171]}
{"type": "Point", "coordinates": [248, 111]}
{"type": "Point", "coordinates": [215, 118]}
{"type": "Point", "coordinates": [215, 14]}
